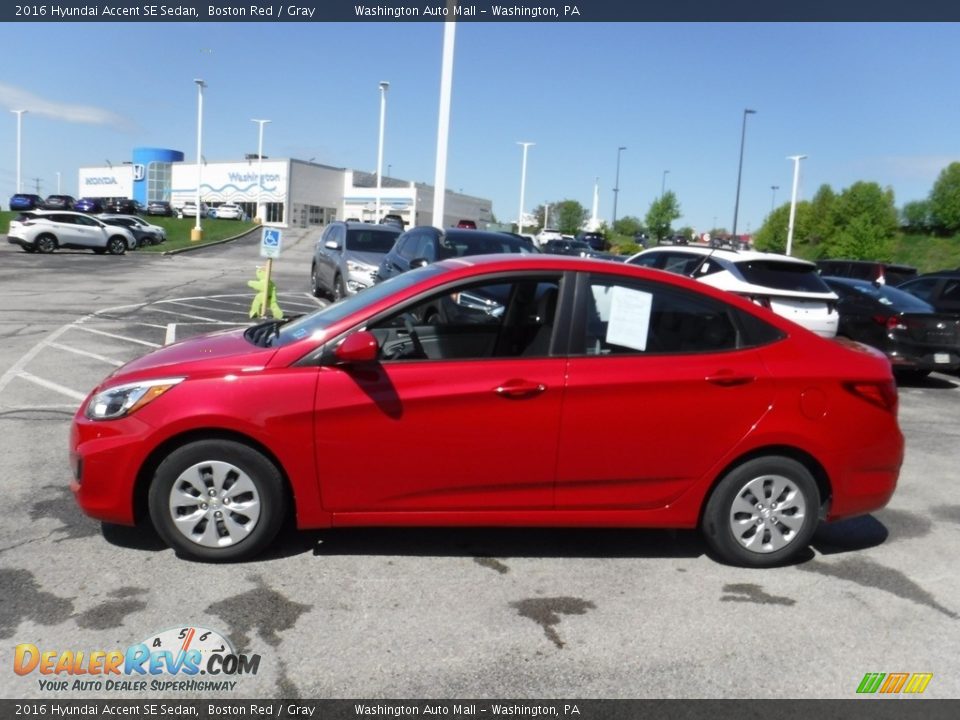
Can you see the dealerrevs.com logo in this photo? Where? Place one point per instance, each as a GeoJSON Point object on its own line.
{"type": "Point", "coordinates": [181, 659]}
{"type": "Point", "coordinates": [894, 683]}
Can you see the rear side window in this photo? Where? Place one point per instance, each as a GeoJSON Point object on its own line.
{"type": "Point", "coordinates": [779, 275]}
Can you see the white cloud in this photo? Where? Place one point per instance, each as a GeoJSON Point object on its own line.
{"type": "Point", "coordinates": [16, 99]}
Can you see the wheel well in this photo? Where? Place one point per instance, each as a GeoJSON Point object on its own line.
{"type": "Point", "coordinates": [804, 458]}
{"type": "Point", "coordinates": [141, 491]}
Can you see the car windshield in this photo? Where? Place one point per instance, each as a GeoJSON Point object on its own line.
{"type": "Point", "coordinates": [372, 240]}
{"type": "Point", "coordinates": [310, 325]}
{"type": "Point", "coordinates": [893, 298]}
{"type": "Point", "coordinates": [780, 275]}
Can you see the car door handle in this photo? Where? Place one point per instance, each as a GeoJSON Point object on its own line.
{"type": "Point", "coordinates": [517, 389]}
{"type": "Point", "coordinates": [726, 378]}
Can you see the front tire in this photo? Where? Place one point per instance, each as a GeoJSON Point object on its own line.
{"type": "Point", "coordinates": [315, 281]}
{"type": "Point", "coordinates": [762, 512]}
{"type": "Point", "coordinates": [339, 288]}
{"type": "Point", "coordinates": [117, 245]}
{"type": "Point", "coordinates": [217, 500]}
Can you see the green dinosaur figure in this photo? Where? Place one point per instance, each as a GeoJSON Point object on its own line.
{"type": "Point", "coordinates": [262, 289]}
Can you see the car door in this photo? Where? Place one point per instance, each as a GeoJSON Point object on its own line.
{"type": "Point", "coordinates": [659, 390]}
{"type": "Point", "coordinates": [460, 414]}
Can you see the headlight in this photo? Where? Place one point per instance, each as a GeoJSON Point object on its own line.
{"type": "Point", "coordinates": [125, 399]}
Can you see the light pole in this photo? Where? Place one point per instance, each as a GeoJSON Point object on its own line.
{"type": "Point", "coordinates": [773, 201]}
{"type": "Point", "coordinates": [384, 86]}
{"type": "Point", "coordinates": [443, 122]}
{"type": "Point", "coordinates": [743, 137]}
{"type": "Point", "coordinates": [616, 186]}
{"type": "Point", "coordinates": [19, 114]}
{"type": "Point", "coordinates": [523, 183]}
{"type": "Point", "coordinates": [663, 184]}
{"type": "Point", "coordinates": [197, 233]}
{"type": "Point", "coordinates": [793, 198]}
{"type": "Point", "coordinates": [261, 215]}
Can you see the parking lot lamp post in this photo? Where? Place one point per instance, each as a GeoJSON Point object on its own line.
{"type": "Point", "coordinates": [261, 215]}
{"type": "Point", "coordinates": [616, 187]}
{"type": "Point", "coordinates": [773, 200]}
{"type": "Point", "coordinates": [384, 86]}
{"type": "Point", "coordinates": [19, 114]}
{"type": "Point", "coordinates": [197, 233]}
{"type": "Point", "coordinates": [663, 184]}
{"type": "Point", "coordinates": [743, 137]}
{"type": "Point", "coordinates": [523, 183]}
{"type": "Point", "coordinates": [793, 199]}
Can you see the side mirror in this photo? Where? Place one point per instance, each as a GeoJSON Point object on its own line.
{"type": "Point", "coordinates": [331, 245]}
{"type": "Point", "coordinates": [418, 263]}
{"type": "Point", "coordinates": [359, 347]}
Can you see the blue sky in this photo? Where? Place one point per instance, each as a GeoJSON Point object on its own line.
{"type": "Point", "coordinates": [875, 102]}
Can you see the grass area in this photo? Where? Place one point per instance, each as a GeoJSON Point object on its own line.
{"type": "Point", "coordinates": [927, 253]}
{"type": "Point", "coordinates": [178, 231]}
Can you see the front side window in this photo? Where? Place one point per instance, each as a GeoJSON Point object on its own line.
{"type": "Point", "coordinates": [498, 318]}
{"type": "Point", "coordinates": [623, 316]}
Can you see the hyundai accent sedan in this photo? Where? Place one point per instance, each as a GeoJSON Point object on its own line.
{"type": "Point", "coordinates": [701, 409]}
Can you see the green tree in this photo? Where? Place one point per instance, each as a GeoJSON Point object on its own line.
{"type": "Point", "coordinates": [570, 216]}
{"type": "Point", "coordinates": [865, 221]}
{"type": "Point", "coordinates": [822, 216]}
{"type": "Point", "coordinates": [628, 226]}
{"type": "Point", "coordinates": [772, 236]}
{"type": "Point", "coordinates": [945, 199]}
{"type": "Point", "coordinates": [663, 211]}
{"type": "Point", "coordinates": [916, 217]}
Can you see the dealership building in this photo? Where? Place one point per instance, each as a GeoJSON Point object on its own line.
{"type": "Point", "coordinates": [293, 193]}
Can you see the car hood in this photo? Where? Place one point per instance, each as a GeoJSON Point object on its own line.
{"type": "Point", "coordinates": [370, 258]}
{"type": "Point", "coordinates": [226, 351]}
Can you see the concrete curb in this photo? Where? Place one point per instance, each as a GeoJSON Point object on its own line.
{"type": "Point", "coordinates": [191, 248]}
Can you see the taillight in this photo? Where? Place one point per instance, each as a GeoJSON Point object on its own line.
{"type": "Point", "coordinates": [883, 394]}
{"type": "Point", "coordinates": [890, 322]}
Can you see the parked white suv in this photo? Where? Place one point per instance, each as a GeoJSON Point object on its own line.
{"type": "Point", "coordinates": [46, 231]}
{"type": "Point", "coordinates": [229, 211]}
{"type": "Point", "coordinates": [787, 285]}
{"type": "Point", "coordinates": [548, 234]}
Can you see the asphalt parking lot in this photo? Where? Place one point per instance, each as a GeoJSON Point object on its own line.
{"type": "Point", "coordinates": [438, 613]}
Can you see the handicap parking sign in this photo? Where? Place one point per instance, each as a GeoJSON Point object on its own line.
{"type": "Point", "coordinates": [270, 243]}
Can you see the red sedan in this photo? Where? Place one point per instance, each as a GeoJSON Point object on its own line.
{"type": "Point", "coordinates": [500, 390]}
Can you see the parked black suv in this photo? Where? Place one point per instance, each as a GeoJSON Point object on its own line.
{"type": "Point", "coordinates": [123, 206]}
{"type": "Point", "coordinates": [159, 207]}
{"type": "Point", "coordinates": [878, 272]}
{"type": "Point", "coordinates": [423, 245]}
{"type": "Point", "coordinates": [595, 240]}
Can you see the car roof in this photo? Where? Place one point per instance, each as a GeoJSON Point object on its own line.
{"type": "Point", "coordinates": [730, 255]}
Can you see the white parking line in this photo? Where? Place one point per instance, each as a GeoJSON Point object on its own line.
{"type": "Point", "coordinates": [214, 321]}
{"type": "Point", "coordinates": [202, 307]}
{"type": "Point", "coordinates": [285, 301]}
{"type": "Point", "coordinates": [114, 335]}
{"type": "Point", "coordinates": [229, 302]}
{"type": "Point", "coordinates": [51, 386]}
{"type": "Point", "coordinates": [78, 351]}
{"type": "Point", "coordinates": [171, 336]}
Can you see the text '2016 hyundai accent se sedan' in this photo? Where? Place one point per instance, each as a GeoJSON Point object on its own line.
{"type": "Point", "coordinates": [498, 390]}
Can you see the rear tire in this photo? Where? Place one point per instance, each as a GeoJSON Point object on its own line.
{"type": "Point", "coordinates": [45, 244]}
{"type": "Point", "coordinates": [762, 512]}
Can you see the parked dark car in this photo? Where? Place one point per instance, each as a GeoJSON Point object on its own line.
{"type": "Point", "coordinates": [942, 290]}
{"type": "Point", "coordinates": [89, 205]}
{"type": "Point", "coordinates": [392, 219]}
{"type": "Point", "coordinates": [347, 256]}
{"type": "Point", "coordinates": [915, 337]}
{"type": "Point", "coordinates": [24, 201]}
{"type": "Point", "coordinates": [160, 207]}
{"type": "Point", "coordinates": [595, 240]}
{"type": "Point", "coordinates": [59, 202]}
{"type": "Point", "coordinates": [466, 224]}
{"type": "Point", "coordinates": [123, 206]}
{"type": "Point", "coordinates": [567, 247]}
{"type": "Point", "coordinates": [424, 245]}
{"type": "Point", "coordinates": [878, 272]}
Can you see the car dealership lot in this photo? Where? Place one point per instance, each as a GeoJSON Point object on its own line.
{"type": "Point", "coordinates": [439, 613]}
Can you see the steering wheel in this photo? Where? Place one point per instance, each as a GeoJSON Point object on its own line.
{"type": "Point", "coordinates": [412, 334]}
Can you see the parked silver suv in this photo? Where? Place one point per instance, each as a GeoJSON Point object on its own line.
{"type": "Point", "coordinates": [46, 231]}
{"type": "Point", "coordinates": [347, 256]}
